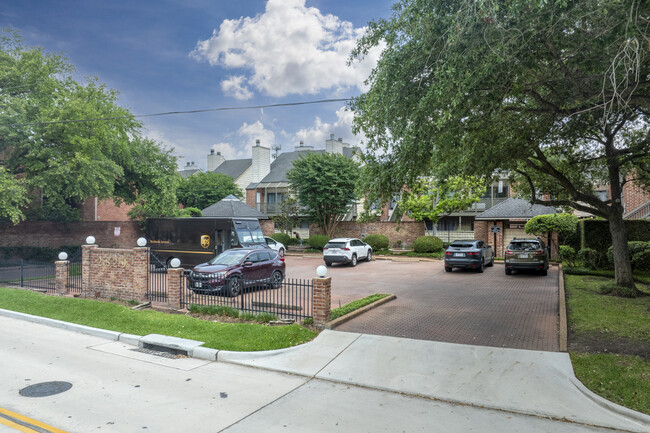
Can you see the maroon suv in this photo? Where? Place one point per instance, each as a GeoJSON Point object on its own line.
{"type": "Point", "coordinates": [233, 270]}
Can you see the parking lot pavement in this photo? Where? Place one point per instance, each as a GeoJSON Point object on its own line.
{"type": "Point", "coordinates": [519, 311]}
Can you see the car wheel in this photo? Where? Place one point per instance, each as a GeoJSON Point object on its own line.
{"type": "Point", "coordinates": [369, 256]}
{"type": "Point", "coordinates": [281, 252]}
{"type": "Point", "coordinates": [448, 268]}
{"type": "Point", "coordinates": [354, 260]}
{"type": "Point", "coordinates": [481, 267]}
{"type": "Point", "coordinates": [276, 279]}
{"type": "Point", "coordinates": [544, 272]}
{"type": "Point", "coordinates": [328, 263]}
{"type": "Point", "coordinates": [508, 271]}
{"type": "Point", "coordinates": [234, 286]}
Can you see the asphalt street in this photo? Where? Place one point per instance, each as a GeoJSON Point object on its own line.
{"type": "Point", "coordinates": [341, 381]}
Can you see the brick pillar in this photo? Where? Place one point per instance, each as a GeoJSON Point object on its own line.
{"type": "Point", "coordinates": [140, 267]}
{"type": "Point", "coordinates": [61, 279]}
{"type": "Point", "coordinates": [86, 269]}
{"type": "Point", "coordinates": [322, 300]}
{"type": "Point", "coordinates": [174, 287]}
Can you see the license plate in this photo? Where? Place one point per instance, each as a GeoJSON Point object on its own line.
{"type": "Point", "coordinates": [459, 254]}
{"type": "Point", "coordinates": [198, 285]}
{"type": "Point", "coordinates": [524, 256]}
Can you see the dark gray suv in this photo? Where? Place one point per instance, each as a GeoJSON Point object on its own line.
{"type": "Point", "coordinates": [526, 254]}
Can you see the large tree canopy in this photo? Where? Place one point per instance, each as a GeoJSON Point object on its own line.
{"type": "Point", "coordinates": [201, 190]}
{"type": "Point", "coordinates": [325, 185]}
{"type": "Point", "coordinates": [64, 161]}
{"type": "Point", "coordinates": [556, 92]}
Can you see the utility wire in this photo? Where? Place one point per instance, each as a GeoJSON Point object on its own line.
{"type": "Point", "coordinates": [168, 113]}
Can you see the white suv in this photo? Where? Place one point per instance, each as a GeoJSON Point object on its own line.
{"type": "Point", "coordinates": [275, 245]}
{"type": "Point", "coordinates": [346, 250]}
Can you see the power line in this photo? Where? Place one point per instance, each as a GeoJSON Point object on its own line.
{"type": "Point", "coordinates": [168, 113]}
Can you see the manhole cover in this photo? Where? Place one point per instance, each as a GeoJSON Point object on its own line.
{"type": "Point", "coordinates": [45, 389]}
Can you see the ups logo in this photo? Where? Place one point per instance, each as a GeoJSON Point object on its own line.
{"type": "Point", "coordinates": [205, 241]}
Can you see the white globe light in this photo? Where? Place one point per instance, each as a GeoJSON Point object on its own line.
{"type": "Point", "coordinates": [142, 242]}
{"type": "Point", "coordinates": [63, 255]}
{"type": "Point", "coordinates": [175, 263]}
{"type": "Point", "coordinates": [90, 240]}
{"type": "Point", "coordinates": [321, 271]}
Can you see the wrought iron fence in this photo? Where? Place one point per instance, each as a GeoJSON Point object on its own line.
{"type": "Point", "coordinates": [28, 273]}
{"type": "Point", "coordinates": [74, 272]}
{"type": "Point", "coordinates": [289, 298]}
{"type": "Point", "coordinates": [156, 279]}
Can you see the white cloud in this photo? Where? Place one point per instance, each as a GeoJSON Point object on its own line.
{"type": "Point", "coordinates": [234, 86]}
{"type": "Point", "coordinates": [288, 49]}
{"type": "Point", "coordinates": [320, 131]}
{"type": "Point", "coordinates": [256, 131]}
{"type": "Point", "coordinates": [229, 151]}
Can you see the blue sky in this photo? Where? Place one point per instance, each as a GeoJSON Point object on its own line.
{"type": "Point", "coordinates": [175, 55]}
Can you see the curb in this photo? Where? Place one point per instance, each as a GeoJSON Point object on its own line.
{"type": "Point", "coordinates": [351, 315]}
{"type": "Point", "coordinates": [563, 318]}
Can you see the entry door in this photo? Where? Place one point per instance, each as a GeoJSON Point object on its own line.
{"type": "Point", "coordinates": [218, 242]}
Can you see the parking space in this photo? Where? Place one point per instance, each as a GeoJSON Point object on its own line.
{"type": "Point", "coordinates": [489, 309]}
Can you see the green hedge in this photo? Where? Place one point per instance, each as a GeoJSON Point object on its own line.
{"type": "Point", "coordinates": [595, 234]}
{"type": "Point", "coordinates": [281, 237]}
{"type": "Point", "coordinates": [41, 254]}
{"type": "Point", "coordinates": [377, 242]}
{"type": "Point", "coordinates": [317, 242]}
{"type": "Point", "coordinates": [427, 244]}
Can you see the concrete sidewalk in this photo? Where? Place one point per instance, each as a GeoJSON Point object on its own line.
{"type": "Point", "coordinates": [362, 380]}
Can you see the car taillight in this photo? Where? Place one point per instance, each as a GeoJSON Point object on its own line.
{"type": "Point", "coordinates": [448, 253]}
{"type": "Point", "coordinates": [345, 249]}
{"type": "Point", "coordinates": [472, 254]}
{"type": "Point", "coordinates": [282, 259]}
{"type": "Point", "coordinates": [324, 248]}
{"type": "Point", "coordinates": [509, 253]}
{"type": "Point", "coordinates": [539, 253]}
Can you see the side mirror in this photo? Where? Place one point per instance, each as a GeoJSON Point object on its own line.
{"type": "Point", "coordinates": [246, 264]}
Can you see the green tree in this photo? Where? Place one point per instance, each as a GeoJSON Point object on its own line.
{"type": "Point", "coordinates": [201, 190]}
{"type": "Point", "coordinates": [325, 185]}
{"type": "Point", "coordinates": [430, 199]}
{"type": "Point", "coordinates": [62, 159]}
{"type": "Point", "coordinates": [564, 224]}
{"type": "Point", "coordinates": [13, 197]}
{"type": "Point", "coordinates": [289, 216]}
{"type": "Point", "coordinates": [557, 93]}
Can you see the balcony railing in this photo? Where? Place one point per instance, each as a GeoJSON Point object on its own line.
{"type": "Point", "coordinates": [269, 208]}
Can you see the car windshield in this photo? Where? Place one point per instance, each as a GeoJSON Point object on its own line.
{"type": "Point", "coordinates": [249, 232]}
{"type": "Point", "coordinates": [524, 246]}
{"type": "Point", "coordinates": [229, 258]}
{"type": "Point", "coordinates": [335, 245]}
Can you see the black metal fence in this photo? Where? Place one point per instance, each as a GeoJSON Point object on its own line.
{"type": "Point", "coordinates": [28, 273]}
{"type": "Point", "coordinates": [290, 298]}
{"type": "Point", "coordinates": [74, 272]}
{"type": "Point", "coordinates": [156, 279]}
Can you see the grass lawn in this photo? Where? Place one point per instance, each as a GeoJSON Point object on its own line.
{"type": "Point", "coordinates": [609, 341]}
{"type": "Point", "coordinates": [355, 305]}
{"type": "Point", "coordinates": [114, 317]}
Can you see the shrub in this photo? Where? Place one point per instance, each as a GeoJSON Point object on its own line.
{"type": "Point", "coordinates": [595, 233]}
{"type": "Point", "coordinates": [567, 255]}
{"type": "Point", "coordinates": [427, 244]}
{"type": "Point", "coordinates": [641, 261]}
{"type": "Point", "coordinates": [633, 248]}
{"type": "Point", "coordinates": [620, 291]}
{"type": "Point", "coordinates": [377, 242]}
{"type": "Point", "coordinates": [317, 242]}
{"type": "Point", "coordinates": [590, 258]}
{"type": "Point", "coordinates": [292, 241]}
{"type": "Point", "coordinates": [281, 237]}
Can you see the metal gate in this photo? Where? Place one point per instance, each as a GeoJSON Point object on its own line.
{"type": "Point", "coordinates": [156, 279]}
{"type": "Point", "coordinates": [74, 272]}
{"type": "Point", "coordinates": [28, 273]}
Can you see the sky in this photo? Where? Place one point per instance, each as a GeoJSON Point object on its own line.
{"type": "Point", "coordinates": [177, 55]}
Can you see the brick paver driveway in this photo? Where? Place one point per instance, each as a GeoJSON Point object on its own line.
{"type": "Point", "coordinates": [490, 309]}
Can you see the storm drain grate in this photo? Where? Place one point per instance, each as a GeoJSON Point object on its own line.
{"type": "Point", "coordinates": [171, 354]}
{"type": "Point", "coordinates": [45, 389]}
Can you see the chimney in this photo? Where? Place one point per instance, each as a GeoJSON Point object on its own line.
{"type": "Point", "coordinates": [333, 146]}
{"type": "Point", "coordinates": [188, 163]}
{"type": "Point", "coordinates": [301, 147]}
{"type": "Point", "coordinates": [214, 160]}
{"type": "Point", "coordinates": [261, 165]}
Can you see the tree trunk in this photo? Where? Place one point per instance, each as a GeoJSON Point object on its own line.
{"type": "Point", "coordinates": [622, 264]}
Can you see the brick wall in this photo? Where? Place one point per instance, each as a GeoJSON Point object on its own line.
{"type": "Point", "coordinates": [105, 210]}
{"type": "Point", "coordinates": [408, 231]}
{"type": "Point", "coordinates": [634, 196]}
{"type": "Point", "coordinates": [251, 195]}
{"type": "Point", "coordinates": [322, 300]}
{"type": "Point", "coordinates": [113, 272]}
{"type": "Point", "coordinates": [54, 235]}
{"type": "Point", "coordinates": [268, 227]}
